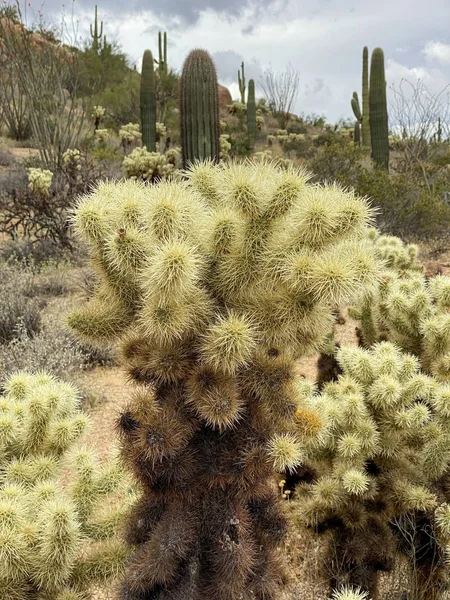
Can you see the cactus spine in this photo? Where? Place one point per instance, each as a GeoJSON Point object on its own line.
{"type": "Point", "coordinates": [148, 102]}
{"type": "Point", "coordinates": [379, 129]}
{"type": "Point", "coordinates": [241, 80]}
{"type": "Point", "coordinates": [365, 100]}
{"type": "Point", "coordinates": [199, 108]}
{"type": "Point", "coordinates": [162, 52]}
{"type": "Point", "coordinates": [251, 112]}
{"type": "Point", "coordinates": [96, 34]}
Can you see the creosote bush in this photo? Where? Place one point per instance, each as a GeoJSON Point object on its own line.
{"type": "Point", "coordinates": [382, 452]}
{"type": "Point", "coordinates": [214, 286]}
{"type": "Point", "coordinates": [56, 540]}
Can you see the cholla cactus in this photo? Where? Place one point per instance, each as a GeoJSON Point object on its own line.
{"type": "Point", "coordinates": [130, 134]}
{"type": "Point", "coordinates": [98, 113]}
{"type": "Point", "coordinates": [348, 593]}
{"type": "Point", "coordinates": [259, 119]}
{"type": "Point", "coordinates": [407, 309]}
{"type": "Point", "coordinates": [56, 541]}
{"type": "Point", "coordinates": [173, 155]}
{"type": "Point", "coordinates": [161, 131]}
{"type": "Point", "coordinates": [39, 181]}
{"type": "Point", "coordinates": [387, 443]}
{"type": "Point", "coordinates": [72, 163]}
{"type": "Point", "coordinates": [214, 286]}
{"type": "Point", "coordinates": [225, 145]}
{"type": "Point", "coordinates": [101, 135]}
{"type": "Point", "coordinates": [148, 166]}
{"type": "Point", "coordinates": [237, 108]}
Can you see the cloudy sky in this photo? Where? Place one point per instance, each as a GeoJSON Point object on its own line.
{"type": "Point", "coordinates": [322, 39]}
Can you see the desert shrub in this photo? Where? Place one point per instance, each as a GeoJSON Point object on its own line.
{"type": "Point", "coordinates": [214, 286]}
{"type": "Point", "coordinates": [18, 307]}
{"type": "Point", "coordinates": [406, 206]}
{"type": "Point", "coordinates": [56, 539]}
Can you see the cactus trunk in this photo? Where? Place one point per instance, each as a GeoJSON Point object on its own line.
{"type": "Point", "coordinates": [241, 80]}
{"type": "Point", "coordinates": [379, 129]}
{"type": "Point", "coordinates": [96, 34]}
{"type": "Point", "coordinates": [365, 100]}
{"type": "Point", "coordinates": [148, 102]}
{"type": "Point", "coordinates": [199, 108]}
{"type": "Point", "coordinates": [251, 112]}
{"type": "Point", "coordinates": [357, 133]}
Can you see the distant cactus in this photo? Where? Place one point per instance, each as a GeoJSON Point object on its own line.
{"type": "Point", "coordinates": [40, 181]}
{"type": "Point", "coordinates": [365, 123]}
{"type": "Point", "coordinates": [199, 109]}
{"type": "Point", "coordinates": [130, 134]}
{"type": "Point", "coordinates": [148, 102]}
{"type": "Point", "coordinates": [214, 286]}
{"type": "Point", "coordinates": [56, 540]}
{"type": "Point", "coordinates": [379, 129]}
{"type": "Point", "coordinates": [241, 81]}
{"type": "Point", "coordinates": [162, 53]}
{"type": "Point", "coordinates": [251, 112]}
{"type": "Point", "coordinates": [96, 35]}
{"type": "Point", "coordinates": [385, 443]}
{"type": "Point", "coordinates": [356, 107]}
{"type": "Point", "coordinates": [147, 166]}
{"type": "Point", "coordinates": [357, 133]}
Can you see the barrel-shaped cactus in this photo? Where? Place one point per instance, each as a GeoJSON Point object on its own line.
{"type": "Point", "coordinates": [214, 286]}
{"type": "Point", "coordinates": [56, 539]}
{"type": "Point", "coordinates": [199, 109]}
{"type": "Point", "coordinates": [148, 102]}
{"type": "Point", "coordinates": [251, 112]}
{"type": "Point", "coordinates": [379, 128]}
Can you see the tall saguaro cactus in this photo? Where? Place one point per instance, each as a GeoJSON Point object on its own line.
{"type": "Point", "coordinates": [241, 80]}
{"type": "Point", "coordinates": [95, 33]}
{"type": "Point", "coordinates": [199, 108]}
{"type": "Point", "coordinates": [379, 129]}
{"type": "Point", "coordinates": [251, 112]}
{"type": "Point", "coordinates": [148, 102]}
{"type": "Point", "coordinates": [214, 286]}
{"type": "Point", "coordinates": [365, 119]}
{"type": "Point", "coordinates": [162, 52]}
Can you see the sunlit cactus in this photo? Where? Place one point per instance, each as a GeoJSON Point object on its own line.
{"type": "Point", "coordinates": [213, 287]}
{"type": "Point", "coordinates": [408, 309]}
{"type": "Point", "coordinates": [56, 539]}
{"type": "Point", "coordinates": [385, 447]}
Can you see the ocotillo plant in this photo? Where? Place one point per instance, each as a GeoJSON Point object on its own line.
{"type": "Point", "coordinates": [162, 52]}
{"type": "Point", "coordinates": [199, 108]}
{"type": "Point", "coordinates": [365, 123]}
{"type": "Point", "coordinates": [241, 81]}
{"type": "Point", "coordinates": [379, 129]}
{"type": "Point", "coordinates": [148, 102]}
{"type": "Point", "coordinates": [251, 112]}
{"type": "Point", "coordinates": [96, 35]}
{"type": "Point", "coordinates": [56, 540]}
{"type": "Point", "coordinates": [214, 286]}
{"type": "Point", "coordinates": [385, 442]}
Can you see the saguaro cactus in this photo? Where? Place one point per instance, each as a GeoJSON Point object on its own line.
{"type": "Point", "coordinates": [148, 102]}
{"type": "Point", "coordinates": [214, 286]}
{"type": "Point", "coordinates": [241, 81]}
{"type": "Point", "coordinates": [366, 137]}
{"type": "Point", "coordinates": [162, 52]}
{"type": "Point", "coordinates": [251, 112]}
{"type": "Point", "coordinates": [199, 108]}
{"type": "Point", "coordinates": [95, 33]}
{"type": "Point", "coordinates": [379, 129]}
